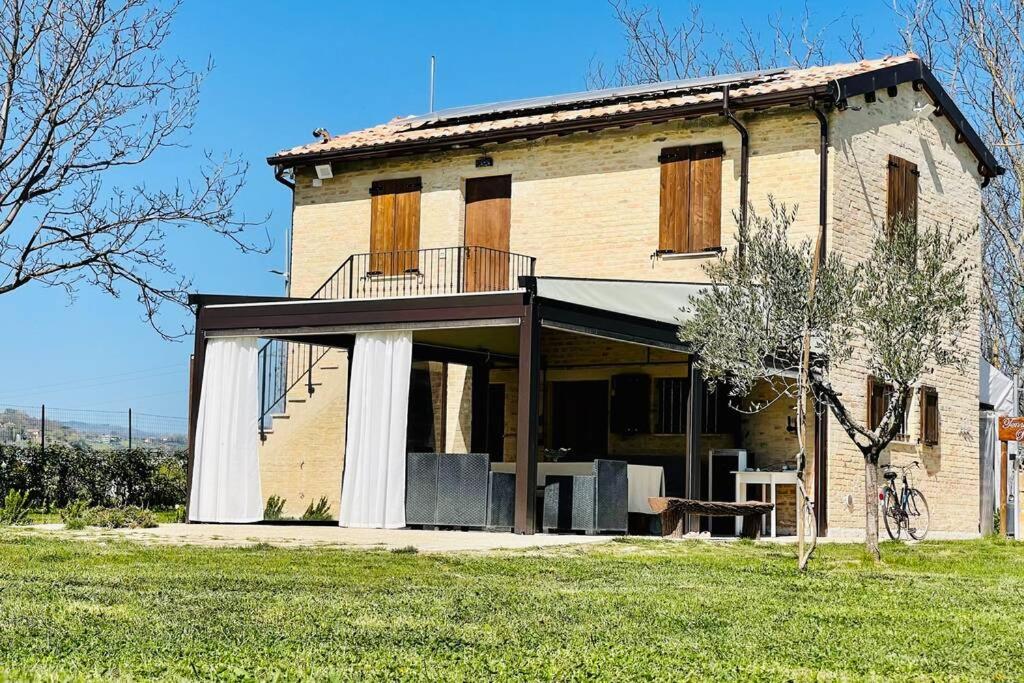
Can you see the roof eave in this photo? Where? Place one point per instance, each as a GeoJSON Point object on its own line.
{"type": "Point", "coordinates": [914, 72]}
{"type": "Point", "coordinates": [790, 97]}
{"type": "Point", "coordinates": [922, 78]}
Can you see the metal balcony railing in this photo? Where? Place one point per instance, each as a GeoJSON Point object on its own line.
{"type": "Point", "coordinates": [283, 365]}
{"type": "Point", "coordinates": [441, 270]}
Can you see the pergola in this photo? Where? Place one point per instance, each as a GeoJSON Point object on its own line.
{"type": "Point", "coordinates": [471, 329]}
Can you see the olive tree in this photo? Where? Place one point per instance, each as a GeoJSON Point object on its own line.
{"type": "Point", "coordinates": [771, 316]}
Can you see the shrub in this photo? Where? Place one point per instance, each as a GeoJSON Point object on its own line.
{"type": "Point", "coordinates": [321, 512]}
{"type": "Point", "coordinates": [15, 508]}
{"type": "Point", "coordinates": [127, 517]}
{"type": "Point", "coordinates": [61, 474]}
{"type": "Point", "coordinates": [74, 515]}
{"type": "Point", "coordinates": [275, 506]}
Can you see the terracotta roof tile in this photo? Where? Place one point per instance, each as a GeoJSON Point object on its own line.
{"type": "Point", "coordinates": [420, 128]}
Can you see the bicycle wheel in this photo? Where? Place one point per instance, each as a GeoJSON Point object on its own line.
{"type": "Point", "coordinates": [918, 516]}
{"type": "Point", "coordinates": [892, 514]}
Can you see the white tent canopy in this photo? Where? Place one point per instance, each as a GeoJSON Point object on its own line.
{"type": "Point", "coordinates": [996, 389]}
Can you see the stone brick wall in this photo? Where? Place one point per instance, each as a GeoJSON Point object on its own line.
{"type": "Point", "coordinates": [948, 194]}
{"type": "Point", "coordinates": [585, 204]}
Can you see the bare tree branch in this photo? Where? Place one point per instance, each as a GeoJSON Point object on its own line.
{"type": "Point", "coordinates": [87, 91]}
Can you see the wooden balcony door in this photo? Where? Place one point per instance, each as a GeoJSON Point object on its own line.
{"type": "Point", "coordinates": [488, 221]}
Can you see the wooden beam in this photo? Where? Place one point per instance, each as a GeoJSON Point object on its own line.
{"type": "Point", "coordinates": [526, 430]}
{"type": "Point", "coordinates": [694, 422]}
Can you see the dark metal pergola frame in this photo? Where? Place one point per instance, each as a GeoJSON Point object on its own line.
{"type": "Point", "coordinates": [276, 316]}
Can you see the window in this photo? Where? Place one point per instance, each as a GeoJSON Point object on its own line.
{"type": "Point", "coordinates": [691, 199]}
{"type": "Point", "coordinates": [929, 416]}
{"type": "Point", "coordinates": [902, 191]}
{"type": "Point", "coordinates": [719, 417]}
{"type": "Point", "coordinates": [672, 398]}
{"type": "Point", "coordinates": [879, 395]}
{"type": "Point", "coordinates": [394, 226]}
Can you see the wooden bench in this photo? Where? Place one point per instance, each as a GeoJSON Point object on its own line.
{"type": "Point", "coordinates": [673, 512]}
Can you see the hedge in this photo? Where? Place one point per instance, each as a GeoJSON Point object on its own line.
{"type": "Point", "coordinates": [62, 474]}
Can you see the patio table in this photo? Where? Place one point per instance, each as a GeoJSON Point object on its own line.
{"type": "Point", "coordinates": [766, 478]}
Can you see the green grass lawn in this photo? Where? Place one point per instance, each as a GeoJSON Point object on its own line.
{"type": "Point", "coordinates": [630, 610]}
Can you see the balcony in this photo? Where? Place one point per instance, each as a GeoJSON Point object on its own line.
{"type": "Point", "coordinates": [420, 272]}
{"type": "Point", "coordinates": [285, 364]}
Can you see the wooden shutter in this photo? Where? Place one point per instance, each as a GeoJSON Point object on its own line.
{"type": "Point", "coordinates": [929, 416]}
{"type": "Point", "coordinates": [706, 197]}
{"type": "Point", "coordinates": [394, 226]}
{"type": "Point", "coordinates": [691, 199]}
{"type": "Point", "coordinates": [902, 191]}
{"type": "Point", "coordinates": [674, 222]}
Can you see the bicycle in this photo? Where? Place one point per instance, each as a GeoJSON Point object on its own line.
{"type": "Point", "coordinates": [906, 509]}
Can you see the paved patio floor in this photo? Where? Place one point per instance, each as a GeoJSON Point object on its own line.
{"type": "Point", "coordinates": [324, 536]}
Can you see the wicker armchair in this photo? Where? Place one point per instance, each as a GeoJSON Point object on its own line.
{"type": "Point", "coordinates": [593, 503]}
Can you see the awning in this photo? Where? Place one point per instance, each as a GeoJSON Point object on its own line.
{"type": "Point", "coordinates": [658, 301]}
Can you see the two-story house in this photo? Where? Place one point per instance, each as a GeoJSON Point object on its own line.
{"type": "Point", "coordinates": [537, 255]}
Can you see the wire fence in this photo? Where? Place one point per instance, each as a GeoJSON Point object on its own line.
{"type": "Point", "coordinates": [99, 429]}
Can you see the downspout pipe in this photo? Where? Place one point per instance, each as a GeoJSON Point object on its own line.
{"type": "Point", "coordinates": [822, 174]}
{"type": "Point", "coordinates": [821, 444]}
{"type": "Point", "coordinates": [279, 177]}
{"type": "Point", "coordinates": [744, 154]}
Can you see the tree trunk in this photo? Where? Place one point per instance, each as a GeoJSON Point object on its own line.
{"type": "Point", "coordinates": [871, 508]}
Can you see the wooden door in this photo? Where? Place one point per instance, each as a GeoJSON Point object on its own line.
{"type": "Point", "coordinates": [488, 222]}
{"type": "Point", "coordinates": [579, 418]}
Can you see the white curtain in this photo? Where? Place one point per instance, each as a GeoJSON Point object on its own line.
{"type": "Point", "coordinates": [226, 471]}
{"type": "Point", "coordinates": [373, 487]}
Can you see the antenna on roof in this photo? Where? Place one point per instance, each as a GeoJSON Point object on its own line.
{"type": "Point", "coordinates": [432, 63]}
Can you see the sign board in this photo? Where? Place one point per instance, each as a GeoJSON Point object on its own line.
{"type": "Point", "coordinates": [1011, 428]}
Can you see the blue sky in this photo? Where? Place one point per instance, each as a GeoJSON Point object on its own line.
{"type": "Point", "coordinates": [281, 70]}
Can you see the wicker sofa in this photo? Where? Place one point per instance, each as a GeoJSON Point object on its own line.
{"type": "Point", "coordinates": [457, 490]}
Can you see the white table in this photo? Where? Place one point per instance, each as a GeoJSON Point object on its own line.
{"type": "Point", "coordinates": [644, 481]}
{"type": "Point", "coordinates": [766, 478]}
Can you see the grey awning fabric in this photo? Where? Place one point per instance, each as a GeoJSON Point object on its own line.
{"type": "Point", "coordinates": [658, 301]}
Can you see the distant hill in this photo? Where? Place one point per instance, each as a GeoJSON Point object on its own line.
{"type": "Point", "coordinates": [19, 426]}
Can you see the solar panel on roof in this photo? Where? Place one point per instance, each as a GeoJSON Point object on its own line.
{"type": "Point", "coordinates": [622, 92]}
